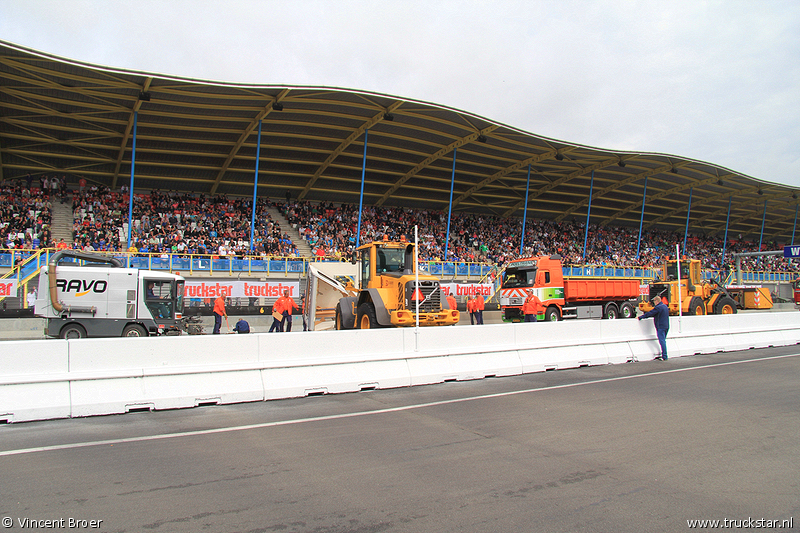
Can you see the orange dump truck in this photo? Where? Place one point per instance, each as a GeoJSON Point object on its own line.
{"type": "Point", "coordinates": [564, 298]}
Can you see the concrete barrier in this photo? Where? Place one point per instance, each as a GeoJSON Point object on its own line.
{"type": "Point", "coordinates": [58, 379]}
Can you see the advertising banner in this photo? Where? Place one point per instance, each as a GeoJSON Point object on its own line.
{"type": "Point", "coordinates": [241, 289]}
{"type": "Point", "coordinates": [467, 289]}
{"type": "Point", "coordinates": [8, 287]}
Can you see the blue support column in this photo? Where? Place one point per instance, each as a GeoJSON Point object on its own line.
{"type": "Point", "coordinates": [588, 212]}
{"type": "Point", "coordinates": [688, 212]}
{"type": "Point", "coordinates": [725, 242]}
{"type": "Point", "coordinates": [525, 212]}
{"type": "Point", "coordinates": [130, 192]}
{"type": "Point", "coordinates": [450, 208]}
{"type": "Point", "coordinates": [255, 191]}
{"type": "Point", "coordinates": [641, 219]}
{"type": "Point", "coordinates": [795, 222]}
{"type": "Point", "coordinates": [361, 197]}
{"type": "Point", "coordinates": [763, 218]}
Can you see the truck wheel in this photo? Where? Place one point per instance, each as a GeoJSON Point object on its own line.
{"type": "Point", "coordinates": [626, 310]}
{"type": "Point", "coordinates": [367, 319]}
{"type": "Point", "coordinates": [611, 311]}
{"type": "Point", "coordinates": [134, 330]}
{"type": "Point", "coordinates": [73, 331]}
{"type": "Point", "coordinates": [725, 306]}
{"type": "Point", "coordinates": [696, 306]}
{"type": "Point", "coordinates": [551, 314]}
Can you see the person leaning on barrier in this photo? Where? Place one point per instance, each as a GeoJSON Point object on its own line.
{"type": "Point", "coordinates": [660, 314]}
{"type": "Point", "coordinates": [242, 326]}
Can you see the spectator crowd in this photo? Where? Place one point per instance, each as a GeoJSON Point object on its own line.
{"type": "Point", "coordinates": [169, 222]}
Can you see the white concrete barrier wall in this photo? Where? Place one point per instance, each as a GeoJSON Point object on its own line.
{"type": "Point", "coordinates": [57, 379]}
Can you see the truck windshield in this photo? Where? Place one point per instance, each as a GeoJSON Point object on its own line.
{"type": "Point", "coordinates": [519, 278]}
{"type": "Point", "coordinates": [389, 260]}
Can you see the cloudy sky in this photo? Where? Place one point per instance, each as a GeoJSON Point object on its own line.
{"type": "Point", "coordinates": [710, 80]}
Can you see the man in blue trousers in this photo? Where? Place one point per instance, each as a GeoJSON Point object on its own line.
{"type": "Point", "coordinates": [660, 312]}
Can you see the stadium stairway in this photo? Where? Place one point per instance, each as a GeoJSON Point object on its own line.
{"type": "Point", "coordinates": [303, 249]}
{"type": "Point", "coordinates": [62, 220]}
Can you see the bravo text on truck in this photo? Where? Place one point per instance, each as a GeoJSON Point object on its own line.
{"type": "Point", "coordinates": [390, 290]}
{"type": "Point", "coordinates": [562, 297]}
{"type": "Point", "coordinates": [95, 296]}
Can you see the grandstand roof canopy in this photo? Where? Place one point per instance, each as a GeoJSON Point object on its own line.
{"type": "Point", "coordinates": [60, 116]}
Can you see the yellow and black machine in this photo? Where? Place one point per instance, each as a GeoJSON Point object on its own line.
{"type": "Point", "coordinates": [389, 291]}
{"type": "Point", "coordinates": [684, 291]}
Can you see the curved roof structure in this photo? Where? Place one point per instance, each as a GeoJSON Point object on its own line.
{"type": "Point", "coordinates": [62, 116]}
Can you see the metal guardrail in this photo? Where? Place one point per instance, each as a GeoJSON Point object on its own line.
{"type": "Point", "coordinates": [298, 266]}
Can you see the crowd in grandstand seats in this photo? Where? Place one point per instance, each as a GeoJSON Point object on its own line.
{"type": "Point", "coordinates": [25, 214]}
{"type": "Point", "coordinates": [330, 230]}
{"type": "Point", "coordinates": [171, 222]}
{"type": "Point", "coordinates": [181, 223]}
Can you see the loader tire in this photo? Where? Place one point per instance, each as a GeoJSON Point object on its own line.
{"type": "Point", "coordinates": [696, 307]}
{"type": "Point", "coordinates": [338, 324]}
{"type": "Point", "coordinates": [367, 318]}
{"type": "Point", "coordinates": [725, 306]}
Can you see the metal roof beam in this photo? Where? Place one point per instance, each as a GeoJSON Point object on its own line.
{"type": "Point", "coordinates": [344, 144]}
{"type": "Point", "coordinates": [125, 136]}
{"type": "Point", "coordinates": [430, 159]}
{"type": "Point", "coordinates": [244, 136]}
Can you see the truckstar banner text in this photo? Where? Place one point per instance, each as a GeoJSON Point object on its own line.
{"type": "Point", "coordinates": [241, 289]}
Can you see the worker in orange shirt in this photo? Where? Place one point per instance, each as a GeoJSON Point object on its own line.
{"type": "Point", "coordinates": [286, 309]}
{"type": "Point", "coordinates": [277, 316]}
{"type": "Point", "coordinates": [219, 312]}
{"type": "Point", "coordinates": [479, 305]}
{"type": "Point", "coordinates": [532, 307]}
{"type": "Point", "coordinates": [451, 301]}
{"type": "Point", "coordinates": [471, 310]}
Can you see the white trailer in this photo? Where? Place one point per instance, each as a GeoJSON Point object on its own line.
{"type": "Point", "coordinates": [95, 296]}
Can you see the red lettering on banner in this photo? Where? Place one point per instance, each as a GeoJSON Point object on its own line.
{"type": "Point", "coordinates": [5, 289]}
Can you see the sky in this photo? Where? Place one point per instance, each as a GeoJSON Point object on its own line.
{"type": "Point", "coordinates": [708, 80]}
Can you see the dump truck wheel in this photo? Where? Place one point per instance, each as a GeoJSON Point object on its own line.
{"type": "Point", "coordinates": [134, 330]}
{"type": "Point", "coordinates": [73, 331]}
{"type": "Point", "coordinates": [626, 310]}
{"type": "Point", "coordinates": [696, 306]}
{"type": "Point", "coordinates": [611, 311]}
{"type": "Point", "coordinates": [725, 306]}
{"type": "Point", "coordinates": [367, 319]}
{"type": "Point", "coordinates": [551, 314]}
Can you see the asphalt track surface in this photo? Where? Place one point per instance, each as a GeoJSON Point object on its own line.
{"type": "Point", "coordinates": [633, 447]}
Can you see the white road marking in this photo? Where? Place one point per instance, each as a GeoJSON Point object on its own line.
{"type": "Point", "coordinates": [111, 442]}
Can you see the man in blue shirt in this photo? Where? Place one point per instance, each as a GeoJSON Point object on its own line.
{"type": "Point", "coordinates": [242, 326]}
{"type": "Point", "coordinates": [660, 312]}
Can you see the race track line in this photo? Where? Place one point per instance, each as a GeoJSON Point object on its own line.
{"type": "Point", "coordinates": [110, 442]}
